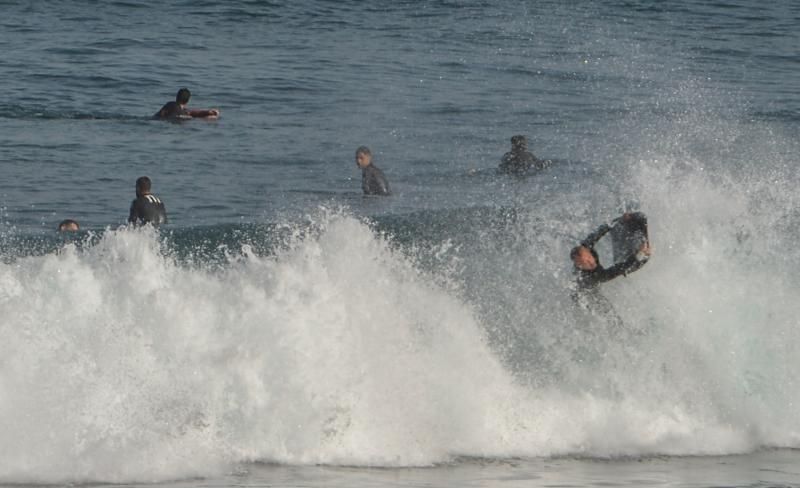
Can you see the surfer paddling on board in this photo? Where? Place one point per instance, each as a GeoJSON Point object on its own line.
{"type": "Point", "coordinates": [177, 110]}
{"type": "Point", "coordinates": [631, 248]}
{"type": "Point", "coordinates": [519, 160]}
{"type": "Point", "coordinates": [373, 182]}
{"type": "Point", "coordinates": [147, 208]}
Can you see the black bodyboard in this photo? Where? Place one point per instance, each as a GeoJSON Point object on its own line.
{"type": "Point", "coordinates": [628, 233]}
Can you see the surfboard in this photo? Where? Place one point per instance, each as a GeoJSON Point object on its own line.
{"type": "Point", "coordinates": [628, 233]}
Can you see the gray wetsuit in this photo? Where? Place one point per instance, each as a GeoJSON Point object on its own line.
{"type": "Point", "coordinates": [373, 182]}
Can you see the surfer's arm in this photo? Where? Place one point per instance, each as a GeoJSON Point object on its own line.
{"type": "Point", "coordinates": [204, 114]}
{"type": "Point", "coordinates": [376, 181]}
{"type": "Point", "coordinates": [383, 186]}
{"type": "Point", "coordinates": [633, 263]}
{"type": "Point", "coordinates": [620, 269]}
{"type": "Point", "coordinates": [595, 236]}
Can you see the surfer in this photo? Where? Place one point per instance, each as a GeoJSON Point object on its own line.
{"type": "Point", "coordinates": [177, 110]}
{"type": "Point", "coordinates": [69, 225]}
{"type": "Point", "coordinates": [147, 208]}
{"type": "Point", "coordinates": [373, 182]}
{"type": "Point", "coordinates": [587, 263]}
{"type": "Point", "coordinates": [590, 273]}
{"type": "Point", "coordinates": [519, 160]}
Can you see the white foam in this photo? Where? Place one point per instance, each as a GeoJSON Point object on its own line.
{"type": "Point", "coordinates": [120, 365]}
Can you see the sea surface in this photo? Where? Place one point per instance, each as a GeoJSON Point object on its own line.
{"type": "Point", "coordinates": [284, 330]}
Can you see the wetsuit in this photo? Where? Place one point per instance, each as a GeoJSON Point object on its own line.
{"type": "Point", "coordinates": [148, 209]}
{"type": "Point", "coordinates": [588, 280]}
{"type": "Point", "coordinates": [172, 110]}
{"type": "Point", "coordinates": [518, 162]}
{"type": "Point", "coordinates": [587, 295]}
{"type": "Point", "coordinates": [373, 182]}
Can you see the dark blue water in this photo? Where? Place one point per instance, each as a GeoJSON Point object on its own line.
{"type": "Point", "coordinates": [435, 88]}
{"type": "Point", "coordinates": [283, 318]}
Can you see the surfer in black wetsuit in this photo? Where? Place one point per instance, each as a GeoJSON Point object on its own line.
{"type": "Point", "coordinates": [587, 263]}
{"type": "Point", "coordinates": [373, 182]}
{"type": "Point", "coordinates": [590, 273]}
{"type": "Point", "coordinates": [147, 208]}
{"type": "Point", "coordinates": [177, 110]}
{"type": "Point", "coordinates": [519, 160]}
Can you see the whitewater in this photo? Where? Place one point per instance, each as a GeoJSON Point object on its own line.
{"type": "Point", "coordinates": [125, 359]}
{"type": "Point", "coordinates": [283, 330]}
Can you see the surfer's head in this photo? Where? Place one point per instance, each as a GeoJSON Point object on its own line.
{"type": "Point", "coordinates": [68, 225]}
{"type": "Point", "coordinates": [583, 258]}
{"type": "Point", "coordinates": [143, 185]}
{"type": "Point", "coordinates": [363, 157]}
{"type": "Point", "coordinates": [519, 143]}
{"type": "Point", "coordinates": [183, 96]}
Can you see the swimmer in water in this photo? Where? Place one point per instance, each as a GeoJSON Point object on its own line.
{"type": "Point", "coordinates": [177, 110]}
{"type": "Point", "coordinates": [519, 160]}
{"type": "Point", "coordinates": [69, 225]}
{"type": "Point", "coordinates": [147, 208]}
{"type": "Point", "coordinates": [373, 181]}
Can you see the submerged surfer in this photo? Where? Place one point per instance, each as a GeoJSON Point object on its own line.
{"type": "Point", "coordinates": [177, 110]}
{"type": "Point", "coordinates": [519, 160]}
{"type": "Point", "coordinates": [147, 208]}
{"type": "Point", "coordinates": [373, 182]}
{"type": "Point", "coordinates": [590, 273]}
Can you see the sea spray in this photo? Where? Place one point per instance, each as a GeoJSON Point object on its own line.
{"type": "Point", "coordinates": [121, 365]}
{"type": "Point", "coordinates": [122, 361]}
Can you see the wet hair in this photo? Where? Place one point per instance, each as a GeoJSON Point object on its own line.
{"type": "Point", "coordinates": [519, 142]}
{"type": "Point", "coordinates": [577, 249]}
{"type": "Point", "coordinates": [68, 225]}
{"type": "Point", "coordinates": [143, 185]}
{"type": "Point", "coordinates": [183, 96]}
{"type": "Point", "coordinates": [363, 150]}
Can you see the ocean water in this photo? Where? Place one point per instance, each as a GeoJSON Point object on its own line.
{"type": "Point", "coordinates": [284, 330]}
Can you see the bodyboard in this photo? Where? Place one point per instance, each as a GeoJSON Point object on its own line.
{"type": "Point", "coordinates": [628, 233]}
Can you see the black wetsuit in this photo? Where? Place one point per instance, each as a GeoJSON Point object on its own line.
{"type": "Point", "coordinates": [587, 295]}
{"type": "Point", "coordinates": [172, 110]}
{"type": "Point", "coordinates": [373, 182]}
{"type": "Point", "coordinates": [519, 162]}
{"type": "Point", "coordinates": [148, 209]}
{"type": "Point", "coordinates": [588, 280]}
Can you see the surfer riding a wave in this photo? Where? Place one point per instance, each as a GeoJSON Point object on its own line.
{"type": "Point", "coordinates": [631, 251]}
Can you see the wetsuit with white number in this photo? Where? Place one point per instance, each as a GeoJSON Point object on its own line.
{"type": "Point", "coordinates": [148, 209]}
